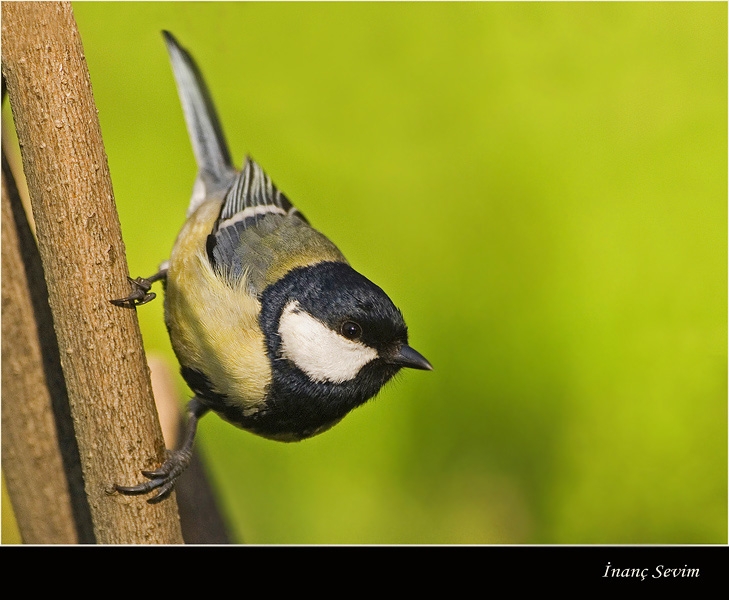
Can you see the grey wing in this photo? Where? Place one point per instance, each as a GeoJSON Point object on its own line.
{"type": "Point", "coordinates": [253, 208]}
{"type": "Point", "coordinates": [215, 171]}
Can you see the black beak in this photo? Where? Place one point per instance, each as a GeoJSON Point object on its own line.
{"type": "Point", "coordinates": [407, 357]}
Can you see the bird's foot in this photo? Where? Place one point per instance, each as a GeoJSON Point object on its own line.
{"type": "Point", "coordinates": [140, 293]}
{"type": "Point", "coordinates": [163, 479]}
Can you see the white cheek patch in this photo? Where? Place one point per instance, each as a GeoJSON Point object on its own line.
{"type": "Point", "coordinates": [321, 353]}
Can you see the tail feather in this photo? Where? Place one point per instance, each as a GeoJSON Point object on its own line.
{"type": "Point", "coordinates": [215, 170]}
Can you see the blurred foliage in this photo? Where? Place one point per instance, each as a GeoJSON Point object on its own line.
{"type": "Point", "coordinates": [8, 526]}
{"type": "Point", "coordinates": [542, 189]}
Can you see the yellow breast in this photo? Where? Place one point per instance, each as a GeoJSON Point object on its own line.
{"type": "Point", "coordinates": [214, 326]}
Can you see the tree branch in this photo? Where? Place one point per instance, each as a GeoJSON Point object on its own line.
{"type": "Point", "coordinates": [79, 238]}
{"type": "Point", "coordinates": [40, 457]}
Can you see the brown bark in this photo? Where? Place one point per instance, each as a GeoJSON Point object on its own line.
{"type": "Point", "coordinates": [79, 239]}
{"type": "Point", "coordinates": [40, 457]}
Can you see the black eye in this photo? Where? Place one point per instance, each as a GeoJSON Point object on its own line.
{"type": "Point", "coordinates": [351, 330]}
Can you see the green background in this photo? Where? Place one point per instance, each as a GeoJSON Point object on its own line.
{"type": "Point", "coordinates": [541, 188]}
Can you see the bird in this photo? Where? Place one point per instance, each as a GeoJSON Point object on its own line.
{"type": "Point", "coordinates": [273, 329]}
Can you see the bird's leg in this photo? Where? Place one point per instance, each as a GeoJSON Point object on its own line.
{"type": "Point", "coordinates": [141, 294]}
{"type": "Point", "coordinates": [164, 478]}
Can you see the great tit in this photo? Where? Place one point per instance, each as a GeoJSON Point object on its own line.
{"type": "Point", "coordinates": [274, 331]}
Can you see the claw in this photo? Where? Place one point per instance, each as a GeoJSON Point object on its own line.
{"type": "Point", "coordinates": [162, 472]}
{"type": "Point", "coordinates": [166, 476]}
{"type": "Point", "coordinates": [142, 488]}
{"type": "Point", "coordinates": [140, 293]}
